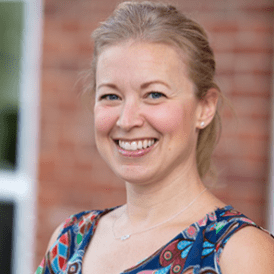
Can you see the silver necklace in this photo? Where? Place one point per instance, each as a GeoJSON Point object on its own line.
{"type": "Point", "coordinates": [126, 236]}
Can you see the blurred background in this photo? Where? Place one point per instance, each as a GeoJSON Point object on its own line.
{"type": "Point", "coordinates": [49, 165]}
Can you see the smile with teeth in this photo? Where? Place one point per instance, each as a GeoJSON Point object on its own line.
{"type": "Point", "coordinates": [136, 145]}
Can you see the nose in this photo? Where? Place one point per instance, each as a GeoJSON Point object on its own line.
{"type": "Point", "coordinates": [130, 116]}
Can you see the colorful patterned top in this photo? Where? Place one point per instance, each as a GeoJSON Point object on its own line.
{"type": "Point", "coordinates": [196, 250]}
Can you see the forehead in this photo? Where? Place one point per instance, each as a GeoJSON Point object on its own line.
{"type": "Point", "coordinates": [143, 49]}
{"type": "Point", "coordinates": [142, 59]}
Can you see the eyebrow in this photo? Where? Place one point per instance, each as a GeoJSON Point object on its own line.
{"type": "Point", "coordinates": [109, 85]}
{"type": "Point", "coordinates": [147, 84]}
{"type": "Point", "coordinates": [143, 86]}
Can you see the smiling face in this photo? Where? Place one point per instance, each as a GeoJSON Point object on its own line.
{"type": "Point", "coordinates": [146, 112]}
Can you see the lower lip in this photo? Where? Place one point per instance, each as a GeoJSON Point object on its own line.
{"type": "Point", "coordinates": [135, 153]}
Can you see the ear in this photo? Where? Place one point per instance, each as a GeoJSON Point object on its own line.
{"type": "Point", "coordinates": [207, 108]}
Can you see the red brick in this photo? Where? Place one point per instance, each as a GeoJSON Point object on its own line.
{"type": "Point", "coordinates": [252, 210]}
{"type": "Point", "coordinates": [223, 42]}
{"type": "Point", "coordinates": [249, 84]}
{"type": "Point", "coordinates": [46, 171]}
{"type": "Point", "coordinates": [71, 25]}
{"type": "Point", "coordinates": [225, 62]}
{"type": "Point", "coordinates": [256, 41]}
{"type": "Point", "coordinates": [225, 82]}
{"type": "Point", "coordinates": [250, 190]}
{"type": "Point", "coordinates": [98, 200]}
{"type": "Point", "coordinates": [253, 62]}
{"type": "Point", "coordinates": [245, 169]}
{"type": "Point", "coordinates": [255, 106]}
{"type": "Point", "coordinates": [224, 26]}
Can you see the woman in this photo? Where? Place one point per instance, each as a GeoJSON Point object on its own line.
{"type": "Point", "coordinates": [156, 124]}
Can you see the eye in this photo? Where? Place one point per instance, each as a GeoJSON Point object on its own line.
{"type": "Point", "coordinates": [155, 95]}
{"type": "Point", "coordinates": [109, 97]}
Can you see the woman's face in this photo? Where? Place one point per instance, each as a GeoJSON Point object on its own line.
{"type": "Point", "coordinates": [146, 113]}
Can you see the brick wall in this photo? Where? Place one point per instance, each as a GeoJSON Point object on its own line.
{"type": "Point", "coordinates": [72, 176]}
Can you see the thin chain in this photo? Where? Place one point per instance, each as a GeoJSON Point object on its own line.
{"type": "Point", "coordinates": [126, 236]}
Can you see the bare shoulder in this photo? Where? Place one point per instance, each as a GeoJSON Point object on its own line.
{"type": "Point", "coordinates": [250, 250]}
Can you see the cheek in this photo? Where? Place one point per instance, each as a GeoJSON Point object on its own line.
{"type": "Point", "coordinates": [104, 120]}
{"type": "Point", "coordinates": [171, 118]}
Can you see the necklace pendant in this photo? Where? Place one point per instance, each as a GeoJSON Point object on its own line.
{"type": "Point", "coordinates": [125, 237]}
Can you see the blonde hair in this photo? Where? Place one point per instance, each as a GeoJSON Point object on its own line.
{"type": "Point", "coordinates": [163, 23]}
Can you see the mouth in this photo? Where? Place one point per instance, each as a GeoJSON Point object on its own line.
{"type": "Point", "coordinates": [135, 145]}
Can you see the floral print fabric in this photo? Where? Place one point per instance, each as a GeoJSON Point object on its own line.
{"type": "Point", "coordinates": [196, 250]}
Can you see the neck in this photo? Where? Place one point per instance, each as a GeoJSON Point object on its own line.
{"type": "Point", "coordinates": [150, 203]}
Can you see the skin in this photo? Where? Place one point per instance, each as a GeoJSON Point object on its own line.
{"type": "Point", "coordinates": [143, 92]}
{"type": "Point", "coordinates": [125, 109]}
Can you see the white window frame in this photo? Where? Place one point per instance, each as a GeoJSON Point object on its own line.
{"type": "Point", "coordinates": [20, 185]}
{"type": "Point", "coordinates": [270, 222]}
{"type": "Point", "coordinates": [270, 217]}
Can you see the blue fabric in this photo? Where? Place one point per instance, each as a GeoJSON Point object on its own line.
{"type": "Point", "coordinates": [195, 250]}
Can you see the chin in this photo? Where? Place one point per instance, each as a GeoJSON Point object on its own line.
{"type": "Point", "coordinates": [134, 175]}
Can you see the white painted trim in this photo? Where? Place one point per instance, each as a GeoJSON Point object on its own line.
{"type": "Point", "coordinates": [20, 186]}
{"type": "Point", "coordinates": [19, 189]}
{"type": "Point", "coordinates": [270, 211]}
{"type": "Point", "coordinates": [270, 215]}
